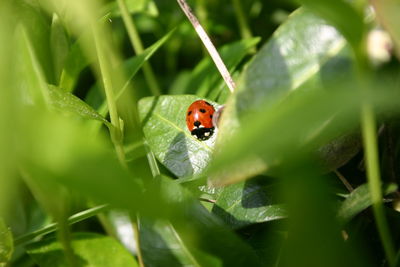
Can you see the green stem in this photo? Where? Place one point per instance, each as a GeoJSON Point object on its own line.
{"type": "Point", "coordinates": [242, 20]}
{"type": "Point", "coordinates": [64, 235]}
{"type": "Point", "coordinates": [138, 47]}
{"type": "Point", "coordinates": [374, 181]}
{"type": "Point", "coordinates": [368, 129]}
{"type": "Point", "coordinates": [135, 223]}
{"type": "Point", "coordinates": [54, 226]}
{"type": "Point", "coordinates": [106, 74]}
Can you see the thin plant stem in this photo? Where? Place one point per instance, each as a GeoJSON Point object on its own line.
{"type": "Point", "coordinates": [64, 235]}
{"type": "Point", "coordinates": [344, 181]}
{"type": "Point", "coordinates": [374, 181]}
{"type": "Point", "coordinates": [106, 74]}
{"type": "Point", "coordinates": [369, 136]}
{"type": "Point", "coordinates": [135, 225]}
{"type": "Point", "coordinates": [242, 20]}
{"type": "Point", "coordinates": [209, 45]}
{"type": "Point", "coordinates": [138, 47]}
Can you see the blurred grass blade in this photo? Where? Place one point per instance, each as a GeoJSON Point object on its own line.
{"type": "Point", "coordinates": [91, 249]}
{"type": "Point", "coordinates": [269, 133]}
{"type": "Point", "coordinates": [147, 7]}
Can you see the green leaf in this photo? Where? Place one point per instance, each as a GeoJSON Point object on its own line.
{"type": "Point", "coordinates": [305, 67]}
{"type": "Point", "coordinates": [59, 46]}
{"type": "Point", "coordinates": [342, 15]}
{"type": "Point", "coordinates": [67, 102]}
{"type": "Point", "coordinates": [359, 200]}
{"type": "Point", "coordinates": [6, 244]}
{"type": "Point", "coordinates": [164, 126]}
{"type": "Point", "coordinates": [305, 51]}
{"type": "Point", "coordinates": [249, 202]}
{"type": "Point", "coordinates": [90, 250]}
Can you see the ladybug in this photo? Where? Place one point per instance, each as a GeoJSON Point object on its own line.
{"type": "Point", "coordinates": [199, 119]}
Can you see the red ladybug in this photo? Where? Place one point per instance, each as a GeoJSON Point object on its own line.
{"type": "Point", "coordinates": [199, 119]}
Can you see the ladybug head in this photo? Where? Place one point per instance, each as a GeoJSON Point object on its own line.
{"type": "Point", "coordinates": [203, 133]}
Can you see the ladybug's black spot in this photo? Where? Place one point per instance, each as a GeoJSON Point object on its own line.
{"type": "Point", "coordinates": [207, 103]}
{"type": "Point", "coordinates": [202, 110]}
{"type": "Point", "coordinates": [210, 116]}
{"type": "Point", "coordinates": [197, 123]}
{"type": "Point", "coordinates": [190, 112]}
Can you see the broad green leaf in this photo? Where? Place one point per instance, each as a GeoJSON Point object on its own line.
{"type": "Point", "coordinates": [342, 15]}
{"type": "Point", "coordinates": [6, 244]}
{"type": "Point", "coordinates": [164, 126]}
{"type": "Point", "coordinates": [90, 250]}
{"type": "Point", "coordinates": [304, 52]}
{"type": "Point", "coordinates": [249, 202]}
{"type": "Point", "coordinates": [205, 78]}
{"type": "Point", "coordinates": [359, 200]}
{"type": "Point", "coordinates": [387, 11]}
{"type": "Point", "coordinates": [59, 46]}
{"type": "Point", "coordinates": [279, 93]}
{"type": "Point", "coordinates": [67, 102]}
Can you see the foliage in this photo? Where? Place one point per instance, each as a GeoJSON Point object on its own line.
{"type": "Point", "coordinates": [98, 168]}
